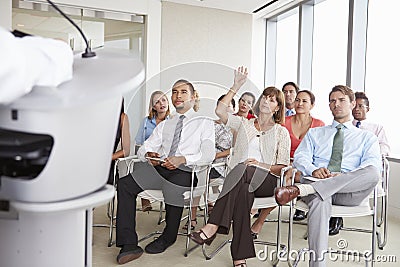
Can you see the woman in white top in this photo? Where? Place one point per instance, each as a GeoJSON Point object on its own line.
{"type": "Point", "coordinates": [262, 149]}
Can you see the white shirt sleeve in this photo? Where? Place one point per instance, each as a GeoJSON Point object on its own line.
{"type": "Point", "coordinates": [31, 61]}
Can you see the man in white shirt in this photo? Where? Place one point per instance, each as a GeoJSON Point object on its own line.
{"type": "Point", "coordinates": [360, 121]}
{"type": "Point", "coordinates": [30, 61]}
{"type": "Point", "coordinates": [180, 142]}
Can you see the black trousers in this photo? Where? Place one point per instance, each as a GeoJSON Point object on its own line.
{"type": "Point", "coordinates": [145, 177]}
{"type": "Point", "coordinates": [241, 185]}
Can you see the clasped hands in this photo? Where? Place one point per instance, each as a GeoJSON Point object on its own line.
{"type": "Point", "coordinates": [323, 173]}
{"type": "Point", "coordinates": [171, 163]}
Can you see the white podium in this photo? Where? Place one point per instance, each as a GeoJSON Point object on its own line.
{"type": "Point", "coordinates": [49, 218]}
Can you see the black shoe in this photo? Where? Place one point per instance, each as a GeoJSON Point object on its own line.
{"type": "Point", "coordinates": [129, 254]}
{"type": "Point", "coordinates": [157, 246]}
{"type": "Point", "coordinates": [335, 224]}
{"type": "Point", "coordinates": [299, 215]}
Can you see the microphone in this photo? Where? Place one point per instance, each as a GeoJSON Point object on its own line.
{"type": "Point", "coordinates": [88, 51]}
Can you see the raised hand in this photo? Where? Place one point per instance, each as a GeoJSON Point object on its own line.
{"type": "Point", "coordinates": [240, 78]}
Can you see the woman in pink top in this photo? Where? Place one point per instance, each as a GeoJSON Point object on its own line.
{"type": "Point", "coordinates": [298, 124]}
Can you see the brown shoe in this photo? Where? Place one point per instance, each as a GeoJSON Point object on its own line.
{"type": "Point", "coordinates": [196, 237]}
{"type": "Point", "coordinates": [286, 194]}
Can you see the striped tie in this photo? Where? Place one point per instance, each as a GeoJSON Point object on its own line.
{"type": "Point", "coordinates": [335, 162]}
{"type": "Point", "coordinates": [177, 136]}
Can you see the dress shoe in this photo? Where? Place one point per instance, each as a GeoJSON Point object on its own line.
{"type": "Point", "coordinates": [335, 224]}
{"type": "Point", "coordinates": [129, 254]}
{"type": "Point", "coordinates": [196, 237]}
{"type": "Point", "coordinates": [192, 224]}
{"type": "Point", "coordinates": [157, 246]}
{"type": "Point", "coordinates": [299, 215]}
{"type": "Point", "coordinates": [286, 194]}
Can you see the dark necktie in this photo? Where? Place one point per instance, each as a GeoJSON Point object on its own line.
{"type": "Point", "coordinates": [337, 150]}
{"type": "Point", "coordinates": [358, 124]}
{"type": "Point", "coordinates": [177, 136]}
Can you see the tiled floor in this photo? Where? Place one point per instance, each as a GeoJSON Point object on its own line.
{"type": "Point", "coordinates": [104, 256]}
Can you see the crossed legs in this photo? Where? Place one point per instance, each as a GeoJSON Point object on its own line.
{"type": "Point", "coordinates": [233, 206]}
{"type": "Point", "coordinates": [348, 189]}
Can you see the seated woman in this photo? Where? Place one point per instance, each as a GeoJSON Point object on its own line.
{"type": "Point", "coordinates": [246, 103]}
{"type": "Point", "coordinates": [122, 141]}
{"type": "Point", "coordinates": [158, 111]}
{"type": "Point", "coordinates": [297, 125]}
{"type": "Point", "coordinates": [261, 151]}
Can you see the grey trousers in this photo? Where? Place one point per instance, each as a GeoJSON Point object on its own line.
{"type": "Point", "coordinates": [347, 189]}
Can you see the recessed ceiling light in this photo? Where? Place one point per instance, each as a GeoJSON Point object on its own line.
{"type": "Point", "coordinates": [20, 25]}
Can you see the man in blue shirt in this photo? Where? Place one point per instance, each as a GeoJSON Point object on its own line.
{"type": "Point", "coordinates": [346, 162]}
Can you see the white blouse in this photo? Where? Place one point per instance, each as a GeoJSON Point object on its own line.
{"type": "Point", "coordinates": [274, 144]}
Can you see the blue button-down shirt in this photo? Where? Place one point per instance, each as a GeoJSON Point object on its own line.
{"type": "Point", "coordinates": [146, 128]}
{"type": "Point", "coordinates": [360, 149]}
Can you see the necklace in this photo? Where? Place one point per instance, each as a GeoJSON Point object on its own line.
{"type": "Point", "coordinates": [260, 131]}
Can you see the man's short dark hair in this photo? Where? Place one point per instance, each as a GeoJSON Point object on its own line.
{"type": "Point", "coordinates": [296, 87]}
{"type": "Point", "coordinates": [362, 95]}
{"type": "Point", "coordinates": [185, 82]}
{"type": "Point", "coordinates": [344, 90]}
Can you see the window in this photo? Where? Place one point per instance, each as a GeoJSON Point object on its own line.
{"type": "Point", "coordinates": [286, 49]}
{"type": "Point", "coordinates": [329, 52]}
{"type": "Point", "coordinates": [383, 56]}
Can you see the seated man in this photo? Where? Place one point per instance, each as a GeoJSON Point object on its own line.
{"type": "Point", "coordinates": [348, 170]}
{"type": "Point", "coordinates": [360, 121]}
{"type": "Point", "coordinates": [180, 141]}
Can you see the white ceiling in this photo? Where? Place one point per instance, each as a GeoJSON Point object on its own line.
{"type": "Point", "coordinates": [268, 8]}
{"type": "Point", "coordinates": [244, 6]}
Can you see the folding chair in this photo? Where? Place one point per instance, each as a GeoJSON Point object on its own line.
{"type": "Point", "coordinates": [201, 170]}
{"type": "Point", "coordinates": [259, 203]}
{"type": "Point", "coordinates": [111, 205]}
{"type": "Point", "coordinates": [364, 209]}
{"type": "Point", "coordinates": [383, 194]}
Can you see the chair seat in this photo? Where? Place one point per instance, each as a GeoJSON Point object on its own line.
{"type": "Point", "coordinates": [264, 202]}
{"type": "Point", "coordinates": [156, 195]}
{"type": "Point", "coordinates": [342, 211]}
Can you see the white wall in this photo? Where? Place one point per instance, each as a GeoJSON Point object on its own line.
{"type": "Point", "coordinates": [192, 34]}
{"type": "Point", "coordinates": [5, 14]}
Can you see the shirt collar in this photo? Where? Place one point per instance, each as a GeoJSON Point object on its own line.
{"type": "Point", "coordinates": [347, 124]}
{"type": "Point", "coordinates": [188, 114]}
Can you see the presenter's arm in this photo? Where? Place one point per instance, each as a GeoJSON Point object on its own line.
{"type": "Point", "coordinates": [31, 61]}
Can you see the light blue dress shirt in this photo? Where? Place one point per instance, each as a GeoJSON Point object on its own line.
{"type": "Point", "coordinates": [360, 149]}
{"type": "Point", "coordinates": [289, 112]}
{"type": "Point", "coordinates": [146, 128]}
